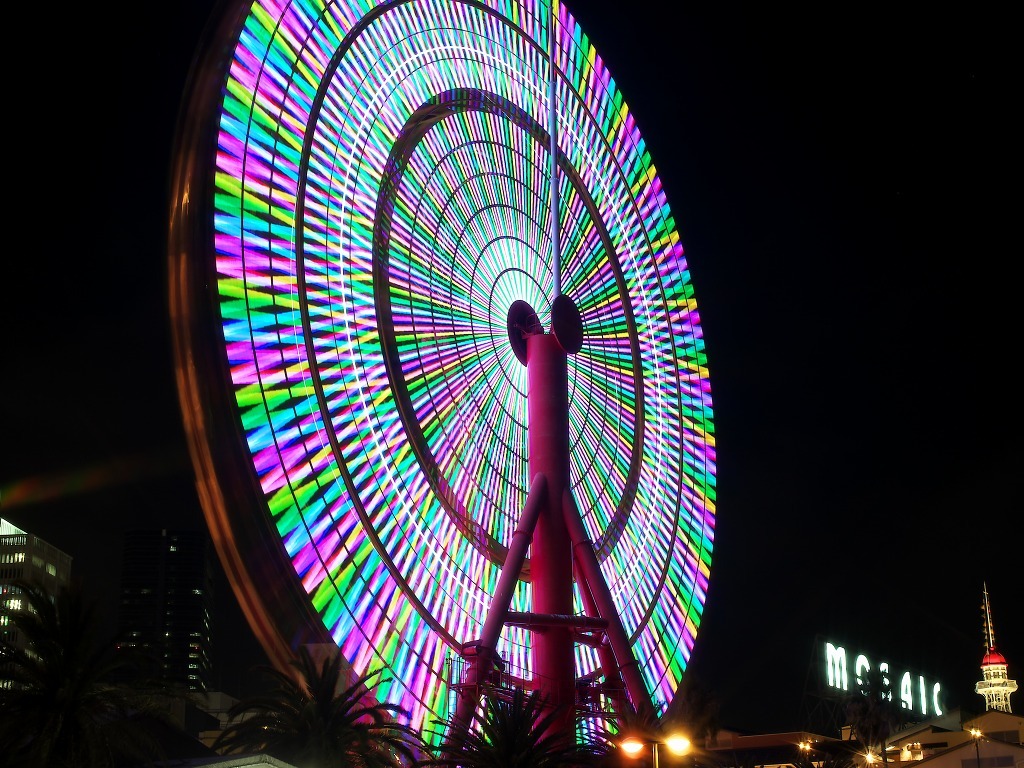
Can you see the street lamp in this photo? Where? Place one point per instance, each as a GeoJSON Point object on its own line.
{"type": "Point", "coordinates": [677, 744]}
{"type": "Point", "coordinates": [976, 734]}
{"type": "Point", "coordinates": [805, 751]}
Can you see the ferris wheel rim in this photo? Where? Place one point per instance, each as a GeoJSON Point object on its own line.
{"type": "Point", "coordinates": [616, 524]}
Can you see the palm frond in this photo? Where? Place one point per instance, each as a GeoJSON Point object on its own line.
{"type": "Point", "coordinates": [317, 717]}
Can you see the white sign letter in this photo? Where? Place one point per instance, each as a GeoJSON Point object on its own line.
{"type": "Point", "coordinates": [907, 692]}
{"type": "Point", "coordinates": [835, 666]}
{"type": "Point", "coordinates": [860, 667]}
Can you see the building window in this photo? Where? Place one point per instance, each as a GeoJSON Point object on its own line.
{"type": "Point", "coordinates": [1009, 737]}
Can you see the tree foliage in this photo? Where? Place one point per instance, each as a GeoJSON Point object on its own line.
{"type": "Point", "coordinates": [694, 710]}
{"type": "Point", "coordinates": [871, 712]}
{"type": "Point", "coordinates": [68, 699]}
{"type": "Point", "coordinates": [309, 719]}
{"type": "Point", "coordinates": [513, 730]}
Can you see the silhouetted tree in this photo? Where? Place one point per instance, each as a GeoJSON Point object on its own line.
{"type": "Point", "coordinates": [513, 730]}
{"type": "Point", "coordinates": [871, 713]}
{"type": "Point", "coordinates": [694, 710]}
{"type": "Point", "coordinates": [837, 760]}
{"type": "Point", "coordinates": [310, 720]}
{"type": "Point", "coordinates": [67, 699]}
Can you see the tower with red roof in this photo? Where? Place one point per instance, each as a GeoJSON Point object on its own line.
{"type": "Point", "coordinates": [994, 685]}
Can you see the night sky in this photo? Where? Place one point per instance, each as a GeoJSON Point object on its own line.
{"type": "Point", "coordinates": [843, 179]}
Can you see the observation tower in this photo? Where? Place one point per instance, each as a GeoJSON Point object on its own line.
{"type": "Point", "coordinates": [995, 686]}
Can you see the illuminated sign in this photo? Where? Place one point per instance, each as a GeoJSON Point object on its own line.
{"type": "Point", "coordinates": [916, 694]}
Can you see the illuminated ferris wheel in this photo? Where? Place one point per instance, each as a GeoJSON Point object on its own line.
{"type": "Point", "coordinates": [439, 358]}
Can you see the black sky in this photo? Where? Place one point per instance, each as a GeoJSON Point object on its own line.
{"type": "Point", "coordinates": [845, 182]}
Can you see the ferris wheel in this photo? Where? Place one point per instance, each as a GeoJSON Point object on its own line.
{"type": "Point", "coordinates": [439, 359]}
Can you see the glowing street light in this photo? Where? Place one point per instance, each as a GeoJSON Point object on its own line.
{"type": "Point", "coordinates": [805, 748]}
{"type": "Point", "coordinates": [677, 744]}
{"type": "Point", "coordinates": [870, 758]}
{"type": "Point", "coordinates": [976, 734]}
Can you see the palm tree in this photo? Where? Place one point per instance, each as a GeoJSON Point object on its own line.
{"type": "Point", "coordinates": [305, 720]}
{"type": "Point", "coordinates": [871, 713]}
{"type": "Point", "coordinates": [694, 710]}
{"type": "Point", "coordinates": [514, 730]}
{"type": "Point", "coordinates": [837, 760]}
{"type": "Point", "coordinates": [66, 699]}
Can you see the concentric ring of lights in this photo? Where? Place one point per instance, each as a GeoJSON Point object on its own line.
{"type": "Point", "coordinates": [381, 200]}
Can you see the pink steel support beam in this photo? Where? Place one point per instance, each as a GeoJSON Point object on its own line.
{"type": "Point", "coordinates": [586, 560]}
{"type": "Point", "coordinates": [483, 662]}
{"type": "Point", "coordinates": [549, 620]}
{"type": "Point", "coordinates": [554, 665]}
{"type": "Point", "coordinates": [613, 685]}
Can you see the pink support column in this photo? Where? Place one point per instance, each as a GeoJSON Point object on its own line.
{"type": "Point", "coordinates": [590, 569]}
{"type": "Point", "coordinates": [554, 665]}
{"type": "Point", "coordinates": [481, 664]}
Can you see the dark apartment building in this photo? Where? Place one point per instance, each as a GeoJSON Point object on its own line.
{"type": "Point", "coordinates": [166, 604]}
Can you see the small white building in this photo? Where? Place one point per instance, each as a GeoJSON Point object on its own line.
{"type": "Point", "coordinates": [994, 739]}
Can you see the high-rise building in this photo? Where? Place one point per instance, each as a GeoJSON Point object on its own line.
{"type": "Point", "coordinates": [995, 685]}
{"type": "Point", "coordinates": [28, 558]}
{"type": "Point", "coordinates": [166, 606]}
